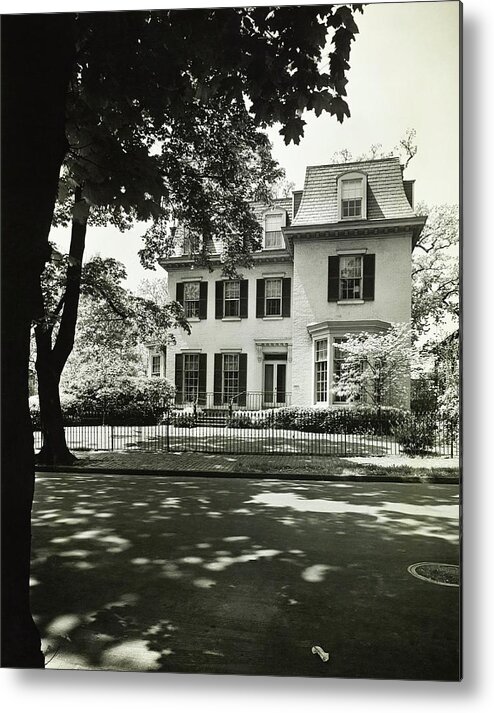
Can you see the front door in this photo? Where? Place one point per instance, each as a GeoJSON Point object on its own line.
{"type": "Point", "coordinates": [274, 383]}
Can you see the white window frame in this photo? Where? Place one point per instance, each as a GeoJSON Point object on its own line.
{"type": "Point", "coordinates": [352, 176]}
{"type": "Point", "coordinates": [230, 388]}
{"type": "Point", "coordinates": [191, 306]}
{"type": "Point", "coordinates": [190, 384]}
{"type": "Point", "coordinates": [279, 297]}
{"type": "Point", "coordinates": [280, 241]}
{"type": "Point", "coordinates": [157, 373]}
{"type": "Point", "coordinates": [321, 368]}
{"type": "Point", "coordinates": [234, 302]}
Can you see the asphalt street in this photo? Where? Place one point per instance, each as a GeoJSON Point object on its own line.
{"type": "Point", "coordinates": [244, 576]}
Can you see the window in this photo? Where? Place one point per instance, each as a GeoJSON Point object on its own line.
{"type": "Point", "coordinates": [230, 376]}
{"type": "Point", "coordinates": [273, 236]}
{"type": "Point", "coordinates": [321, 373]}
{"type": "Point", "coordinates": [338, 359]}
{"type": "Point", "coordinates": [191, 377]}
{"type": "Point", "coordinates": [191, 299]}
{"type": "Point", "coordinates": [156, 365]}
{"type": "Point", "coordinates": [272, 297]}
{"type": "Point", "coordinates": [350, 277]}
{"type": "Point", "coordinates": [231, 296]}
{"type": "Point", "coordinates": [190, 243]}
{"type": "Point", "coordinates": [352, 196]}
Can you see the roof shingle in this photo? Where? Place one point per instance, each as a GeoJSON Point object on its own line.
{"type": "Point", "coordinates": [386, 196]}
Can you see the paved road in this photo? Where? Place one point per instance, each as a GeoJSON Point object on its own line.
{"type": "Point", "coordinates": [244, 576]}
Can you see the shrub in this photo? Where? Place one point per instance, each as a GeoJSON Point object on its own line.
{"type": "Point", "coordinates": [415, 436]}
{"type": "Point", "coordinates": [124, 400]}
{"type": "Point", "coordinates": [180, 419]}
{"type": "Point", "coordinates": [366, 420]}
{"type": "Point", "coordinates": [241, 421]}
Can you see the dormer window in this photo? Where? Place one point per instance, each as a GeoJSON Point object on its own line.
{"type": "Point", "coordinates": [352, 196]}
{"type": "Point", "coordinates": [273, 236]}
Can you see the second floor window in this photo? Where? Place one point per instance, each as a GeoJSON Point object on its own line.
{"type": "Point", "coordinates": [191, 299]}
{"type": "Point", "coordinates": [231, 296]}
{"type": "Point", "coordinates": [272, 296]}
{"type": "Point", "coordinates": [351, 277]}
{"type": "Point", "coordinates": [273, 237]}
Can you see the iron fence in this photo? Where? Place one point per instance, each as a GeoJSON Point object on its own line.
{"type": "Point", "coordinates": [233, 430]}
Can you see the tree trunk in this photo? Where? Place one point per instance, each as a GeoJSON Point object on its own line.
{"type": "Point", "coordinates": [50, 361]}
{"type": "Point", "coordinates": [37, 58]}
{"type": "Point", "coordinates": [54, 450]}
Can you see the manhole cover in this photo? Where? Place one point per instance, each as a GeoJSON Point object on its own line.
{"type": "Point", "coordinates": [448, 575]}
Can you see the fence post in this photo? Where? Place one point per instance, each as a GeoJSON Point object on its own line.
{"type": "Point", "coordinates": [168, 416]}
{"type": "Point", "coordinates": [112, 442]}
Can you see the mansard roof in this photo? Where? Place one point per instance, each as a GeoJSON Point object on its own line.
{"type": "Point", "coordinates": [386, 198]}
{"type": "Point", "coordinates": [259, 208]}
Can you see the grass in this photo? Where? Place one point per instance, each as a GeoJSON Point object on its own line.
{"type": "Point", "coordinates": [332, 465]}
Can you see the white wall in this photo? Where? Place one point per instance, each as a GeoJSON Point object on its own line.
{"type": "Point", "coordinates": [212, 335]}
{"type": "Point", "coordinates": [392, 295]}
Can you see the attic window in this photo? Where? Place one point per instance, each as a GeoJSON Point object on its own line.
{"type": "Point", "coordinates": [273, 236]}
{"type": "Point", "coordinates": [352, 196]}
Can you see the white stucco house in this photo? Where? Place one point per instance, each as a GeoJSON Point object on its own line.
{"type": "Point", "coordinates": [336, 259]}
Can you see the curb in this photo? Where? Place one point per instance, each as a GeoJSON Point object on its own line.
{"type": "Point", "coordinates": [432, 479]}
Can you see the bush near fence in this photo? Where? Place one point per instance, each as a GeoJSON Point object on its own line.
{"type": "Point", "coordinates": [126, 401]}
{"type": "Point", "coordinates": [364, 420]}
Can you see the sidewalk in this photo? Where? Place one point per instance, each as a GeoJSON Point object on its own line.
{"type": "Point", "coordinates": [392, 469]}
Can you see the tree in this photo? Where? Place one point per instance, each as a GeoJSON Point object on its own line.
{"type": "Point", "coordinates": [406, 150]}
{"type": "Point", "coordinates": [109, 344]}
{"type": "Point", "coordinates": [115, 323]}
{"type": "Point", "coordinates": [435, 271]}
{"type": "Point", "coordinates": [375, 368]}
{"type": "Point", "coordinates": [271, 56]}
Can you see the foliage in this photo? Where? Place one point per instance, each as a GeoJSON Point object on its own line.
{"type": "Point", "coordinates": [376, 367]}
{"type": "Point", "coordinates": [240, 420]}
{"type": "Point", "coordinates": [415, 436]}
{"type": "Point", "coordinates": [435, 270]}
{"type": "Point", "coordinates": [361, 420]}
{"type": "Point", "coordinates": [406, 150]}
{"type": "Point", "coordinates": [165, 107]}
{"type": "Point", "coordinates": [424, 396]}
{"type": "Point", "coordinates": [113, 324]}
{"type": "Point", "coordinates": [123, 399]}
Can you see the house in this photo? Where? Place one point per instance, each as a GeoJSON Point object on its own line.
{"type": "Point", "coordinates": [336, 259]}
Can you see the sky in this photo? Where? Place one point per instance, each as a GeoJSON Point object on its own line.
{"type": "Point", "coordinates": [404, 74]}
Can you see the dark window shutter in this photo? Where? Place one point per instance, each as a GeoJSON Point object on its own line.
{"type": "Point", "coordinates": [260, 298]}
{"type": "Point", "coordinates": [218, 367]}
{"type": "Point", "coordinates": [218, 310]}
{"type": "Point", "coordinates": [286, 296]}
{"type": "Point", "coordinates": [333, 278]}
{"type": "Point", "coordinates": [242, 379]}
{"type": "Point", "coordinates": [203, 360]}
{"type": "Point", "coordinates": [244, 297]}
{"type": "Point", "coordinates": [180, 293]}
{"type": "Point", "coordinates": [179, 377]}
{"type": "Point", "coordinates": [203, 300]}
{"type": "Point", "coordinates": [369, 277]}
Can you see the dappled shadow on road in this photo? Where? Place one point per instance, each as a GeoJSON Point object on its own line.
{"type": "Point", "coordinates": [243, 576]}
